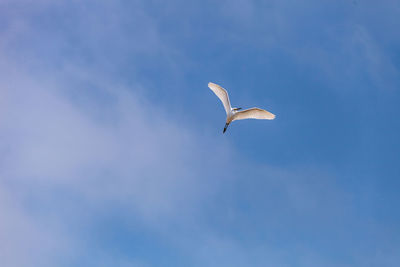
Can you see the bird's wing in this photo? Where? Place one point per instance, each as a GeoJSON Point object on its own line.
{"type": "Point", "coordinates": [222, 95]}
{"type": "Point", "coordinates": [253, 113]}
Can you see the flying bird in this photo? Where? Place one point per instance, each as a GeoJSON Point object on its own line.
{"type": "Point", "coordinates": [233, 114]}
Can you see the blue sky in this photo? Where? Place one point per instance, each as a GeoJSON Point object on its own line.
{"type": "Point", "coordinates": [111, 144]}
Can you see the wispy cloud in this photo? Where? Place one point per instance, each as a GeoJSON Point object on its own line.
{"type": "Point", "coordinates": [123, 154]}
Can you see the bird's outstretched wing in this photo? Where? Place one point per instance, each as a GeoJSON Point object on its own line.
{"type": "Point", "coordinates": [222, 95]}
{"type": "Point", "coordinates": [253, 113]}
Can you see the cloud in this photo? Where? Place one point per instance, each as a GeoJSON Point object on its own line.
{"type": "Point", "coordinates": [67, 160]}
{"type": "Point", "coordinates": [51, 140]}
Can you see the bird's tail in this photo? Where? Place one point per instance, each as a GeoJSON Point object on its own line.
{"type": "Point", "coordinates": [226, 126]}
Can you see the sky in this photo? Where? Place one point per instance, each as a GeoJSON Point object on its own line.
{"type": "Point", "coordinates": [111, 144]}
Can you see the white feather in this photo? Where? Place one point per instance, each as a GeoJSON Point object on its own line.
{"type": "Point", "coordinates": [253, 113]}
{"type": "Point", "coordinates": [222, 95]}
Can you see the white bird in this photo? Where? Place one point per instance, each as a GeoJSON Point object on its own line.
{"type": "Point", "coordinates": [232, 114]}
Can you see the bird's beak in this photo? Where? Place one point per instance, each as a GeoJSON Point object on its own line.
{"type": "Point", "coordinates": [226, 126]}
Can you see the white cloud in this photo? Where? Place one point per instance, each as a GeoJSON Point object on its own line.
{"type": "Point", "coordinates": [132, 156]}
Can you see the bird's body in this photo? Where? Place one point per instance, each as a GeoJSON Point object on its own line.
{"type": "Point", "coordinates": [233, 114]}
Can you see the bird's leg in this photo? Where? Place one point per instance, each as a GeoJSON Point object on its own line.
{"type": "Point", "coordinates": [226, 126]}
{"type": "Point", "coordinates": [236, 109]}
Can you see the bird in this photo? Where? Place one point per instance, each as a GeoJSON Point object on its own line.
{"type": "Point", "coordinates": [233, 114]}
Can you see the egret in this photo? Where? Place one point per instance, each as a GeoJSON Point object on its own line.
{"type": "Point", "coordinates": [233, 114]}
